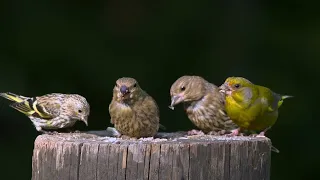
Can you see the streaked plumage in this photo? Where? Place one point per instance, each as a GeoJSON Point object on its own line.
{"type": "Point", "coordinates": [203, 103]}
{"type": "Point", "coordinates": [51, 111]}
{"type": "Point", "coordinates": [250, 106]}
{"type": "Point", "coordinates": [133, 112]}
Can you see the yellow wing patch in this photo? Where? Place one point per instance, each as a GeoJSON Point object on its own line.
{"type": "Point", "coordinates": [31, 107]}
{"type": "Point", "coordinates": [13, 97]}
{"type": "Point", "coordinates": [23, 107]}
{"type": "Point", "coordinates": [41, 111]}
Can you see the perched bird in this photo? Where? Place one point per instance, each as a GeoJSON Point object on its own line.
{"type": "Point", "coordinates": [251, 107]}
{"type": "Point", "coordinates": [203, 103]}
{"type": "Point", "coordinates": [51, 111]}
{"type": "Point", "coordinates": [133, 112]}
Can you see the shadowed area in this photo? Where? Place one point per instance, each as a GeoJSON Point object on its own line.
{"type": "Point", "coordinates": [83, 47]}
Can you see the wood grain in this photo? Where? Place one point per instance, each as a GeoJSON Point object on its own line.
{"type": "Point", "coordinates": [87, 156]}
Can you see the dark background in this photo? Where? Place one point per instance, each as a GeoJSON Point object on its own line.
{"type": "Point", "coordinates": [85, 46]}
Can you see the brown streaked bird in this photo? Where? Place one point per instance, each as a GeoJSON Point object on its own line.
{"type": "Point", "coordinates": [133, 112]}
{"type": "Point", "coordinates": [203, 103]}
{"type": "Point", "coordinates": [51, 111]}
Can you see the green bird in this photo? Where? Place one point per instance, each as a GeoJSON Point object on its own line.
{"type": "Point", "coordinates": [251, 107]}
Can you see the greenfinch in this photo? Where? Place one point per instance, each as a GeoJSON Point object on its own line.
{"type": "Point", "coordinates": [251, 107]}
{"type": "Point", "coordinates": [51, 111]}
{"type": "Point", "coordinates": [133, 112]}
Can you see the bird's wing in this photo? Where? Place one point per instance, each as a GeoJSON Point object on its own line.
{"type": "Point", "coordinates": [152, 103]}
{"type": "Point", "coordinates": [274, 100]}
{"type": "Point", "coordinates": [256, 108]}
{"type": "Point", "coordinates": [42, 107]}
{"type": "Point", "coordinates": [269, 98]}
{"type": "Point", "coordinates": [244, 97]}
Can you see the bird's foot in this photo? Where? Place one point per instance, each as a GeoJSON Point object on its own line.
{"type": "Point", "coordinates": [146, 138]}
{"type": "Point", "coordinates": [72, 131]}
{"type": "Point", "coordinates": [76, 131]}
{"type": "Point", "coordinates": [214, 133]}
{"type": "Point", "coordinates": [125, 137]}
{"type": "Point", "coordinates": [195, 132]}
{"type": "Point", "coordinates": [261, 134]}
{"type": "Point", "coordinates": [49, 132]}
{"type": "Point", "coordinates": [217, 133]}
{"type": "Point", "coordinates": [235, 132]}
{"type": "Point", "coordinates": [253, 135]}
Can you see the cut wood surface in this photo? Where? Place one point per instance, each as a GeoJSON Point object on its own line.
{"type": "Point", "coordinates": [91, 156]}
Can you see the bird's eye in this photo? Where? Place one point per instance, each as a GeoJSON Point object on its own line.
{"type": "Point", "coordinates": [182, 88]}
{"type": "Point", "coordinates": [79, 111]}
{"type": "Point", "coordinates": [135, 85]}
{"type": "Point", "coordinates": [237, 85]}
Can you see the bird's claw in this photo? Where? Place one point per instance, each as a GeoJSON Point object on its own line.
{"type": "Point", "coordinates": [261, 134]}
{"type": "Point", "coordinates": [125, 137]}
{"type": "Point", "coordinates": [195, 132]}
{"type": "Point", "coordinates": [71, 131]}
{"type": "Point", "coordinates": [49, 132]}
{"type": "Point", "coordinates": [214, 133]}
{"type": "Point", "coordinates": [217, 133]}
{"type": "Point", "coordinates": [234, 132]}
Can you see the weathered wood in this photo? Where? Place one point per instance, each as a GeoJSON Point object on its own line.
{"type": "Point", "coordinates": [84, 156]}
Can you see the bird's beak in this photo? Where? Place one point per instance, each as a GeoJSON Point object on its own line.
{"type": "Point", "coordinates": [225, 89]}
{"type": "Point", "coordinates": [175, 100]}
{"type": "Point", "coordinates": [124, 90]}
{"type": "Point", "coordinates": [85, 120]}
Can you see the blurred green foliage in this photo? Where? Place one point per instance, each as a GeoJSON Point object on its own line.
{"type": "Point", "coordinates": [84, 46]}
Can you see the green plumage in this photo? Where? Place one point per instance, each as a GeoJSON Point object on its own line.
{"type": "Point", "coordinates": [251, 106]}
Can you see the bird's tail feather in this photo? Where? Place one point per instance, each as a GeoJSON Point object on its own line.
{"type": "Point", "coordinates": [162, 127]}
{"type": "Point", "coordinates": [274, 149]}
{"type": "Point", "coordinates": [23, 107]}
{"type": "Point", "coordinates": [283, 97]}
{"type": "Point", "coordinates": [13, 97]}
{"type": "Point", "coordinates": [19, 102]}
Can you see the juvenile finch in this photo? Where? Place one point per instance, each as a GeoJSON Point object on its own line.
{"type": "Point", "coordinates": [51, 111]}
{"type": "Point", "coordinates": [203, 103]}
{"type": "Point", "coordinates": [133, 112]}
{"type": "Point", "coordinates": [250, 106]}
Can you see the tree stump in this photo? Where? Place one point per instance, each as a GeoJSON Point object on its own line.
{"type": "Point", "coordinates": [86, 156]}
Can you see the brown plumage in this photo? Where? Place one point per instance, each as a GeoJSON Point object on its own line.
{"type": "Point", "coordinates": [203, 102]}
{"type": "Point", "coordinates": [133, 112]}
{"type": "Point", "coordinates": [51, 111]}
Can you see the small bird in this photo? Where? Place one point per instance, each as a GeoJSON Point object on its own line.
{"type": "Point", "coordinates": [203, 103]}
{"type": "Point", "coordinates": [133, 112]}
{"type": "Point", "coordinates": [251, 107]}
{"type": "Point", "coordinates": [51, 111]}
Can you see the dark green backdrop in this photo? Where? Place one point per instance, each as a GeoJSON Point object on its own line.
{"type": "Point", "coordinates": [84, 46]}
